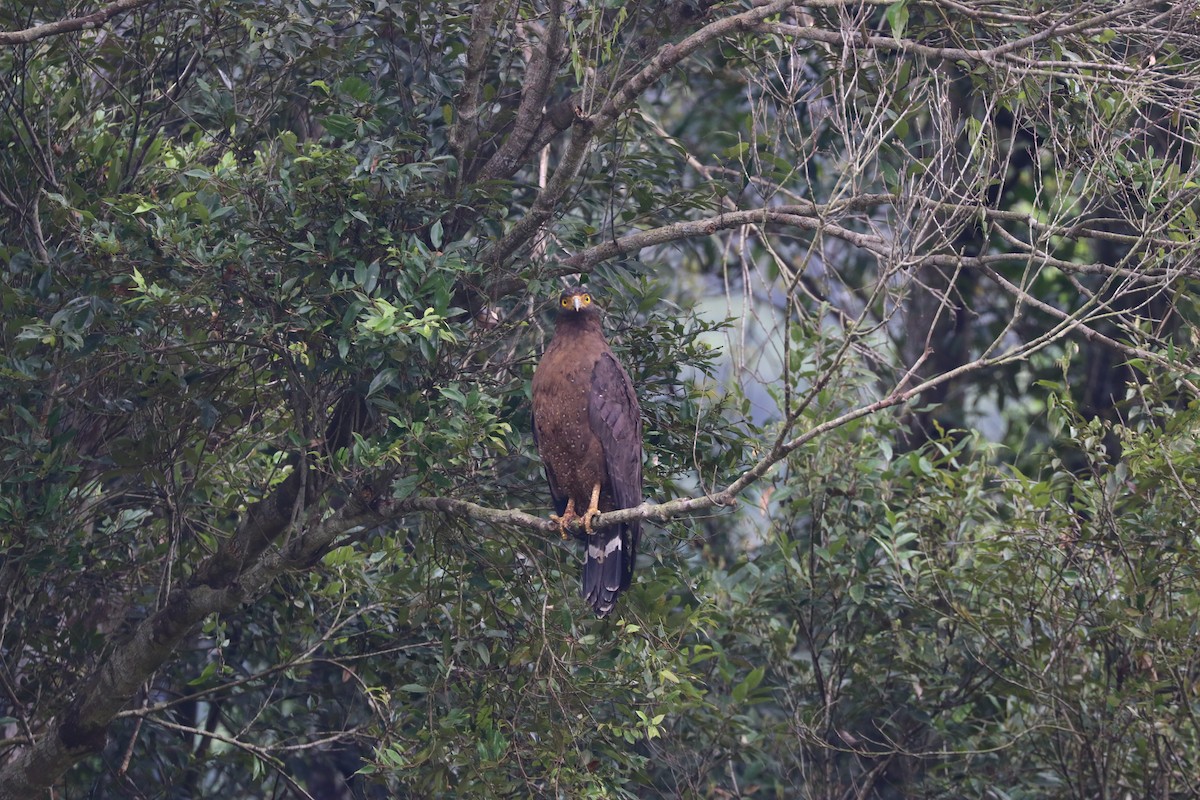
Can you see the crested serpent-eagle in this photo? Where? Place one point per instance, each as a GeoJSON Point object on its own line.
{"type": "Point", "coordinates": [588, 431]}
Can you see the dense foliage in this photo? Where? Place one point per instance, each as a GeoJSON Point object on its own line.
{"type": "Point", "coordinates": [906, 290]}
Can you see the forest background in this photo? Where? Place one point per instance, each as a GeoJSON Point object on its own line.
{"type": "Point", "coordinates": [907, 291]}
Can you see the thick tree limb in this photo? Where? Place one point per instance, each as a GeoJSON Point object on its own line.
{"type": "Point", "coordinates": [463, 134]}
{"type": "Point", "coordinates": [242, 567]}
{"type": "Point", "coordinates": [93, 20]}
{"type": "Point", "coordinates": [82, 728]}
{"type": "Point", "coordinates": [539, 79]}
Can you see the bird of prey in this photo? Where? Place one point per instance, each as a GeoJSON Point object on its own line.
{"type": "Point", "coordinates": [588, 431]}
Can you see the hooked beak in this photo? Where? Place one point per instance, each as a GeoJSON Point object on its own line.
{"type": "Point", "coordinates": [577, 301]}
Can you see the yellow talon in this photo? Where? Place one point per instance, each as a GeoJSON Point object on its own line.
{"type": "Point", "coordinates": [566, 519]}
{"type": "Point", "coordinates": [593, 510]}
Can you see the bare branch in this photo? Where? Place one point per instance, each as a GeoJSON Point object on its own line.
{"type": "Point", "coordinates": [262, 753]}
{"type": "Point", "coordinates": [798, 216]}
{"type": "Point", "coordinates": [661, 512]}
{"type": "Point", "coordinates": [1091, 334]}
{"type": "Point", "coordinates": [813, 217]}
{"type": "Point", "coordinates": [86, 22]}
{"type": "Point", "coordinates": [1001, 55]}
{"type": "Point", "coordinates": [621, 100]}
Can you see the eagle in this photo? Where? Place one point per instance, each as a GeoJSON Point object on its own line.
{"type": "Point", "coordinates": [588, 430]}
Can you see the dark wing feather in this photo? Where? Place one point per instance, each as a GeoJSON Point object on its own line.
{"type": "Point", "coordinates": [616, 421]}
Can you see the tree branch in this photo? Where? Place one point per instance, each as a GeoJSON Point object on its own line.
{"type": "Point", "coordinates": [463, 134]}
{"type": "Point", "coordinates": [661, 512]}
{"type": "Point", "coordinates": [588, 126]}
{"type": "Point", "coordinates": [798, 216]}
{"type": "Point", "coordinates": [261, 753]}
{"type": "Point", "coordinates": [671, 54]}
{"type": "Point", "coordinates": [1002, 55]}
{"type": "Point", "coordinates": [814, 217]}
{"type": "Point", "coordinates": [82, 728]}
{"type": "Point", "coordinates": [93, 20]}
{"type": "Point", "coordinates": [244, 565]}
{"type": "Point", "coordinates": [1093, 335]}
{"type": "Point", "coordinates": [538, 81]}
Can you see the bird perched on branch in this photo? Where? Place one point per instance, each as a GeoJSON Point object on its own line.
{"type": "Point", "coordinates": [588, 431]}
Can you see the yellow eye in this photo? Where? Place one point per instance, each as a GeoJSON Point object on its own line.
{"type": "Point", "coordinates": [566, 301]}
{"type": "Point", "coordinates": [587, 298]}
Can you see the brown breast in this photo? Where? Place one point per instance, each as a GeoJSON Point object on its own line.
{"type": "Point", "coordinates": [562, 385]}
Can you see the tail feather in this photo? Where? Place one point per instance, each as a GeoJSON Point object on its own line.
{"type": "Point", "coordinates": [607, 568]}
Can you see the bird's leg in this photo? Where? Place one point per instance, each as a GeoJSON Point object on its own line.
{"type": "Point", "coordinates": [593, 510]}
{"type": "Point", "coordinates": [566, 519]}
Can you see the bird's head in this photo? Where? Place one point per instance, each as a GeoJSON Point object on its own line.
{"type": "Point", "coordinates": [575, 302]}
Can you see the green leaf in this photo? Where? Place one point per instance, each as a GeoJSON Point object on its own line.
{"type": "Point", "coordinates": [210, 669]}
{"type": "Point", "coordinates": [355, 88]}
{"type": "Point", "coordinates": [748, 684]}
{"type": "Point", "coordinates": [857, 591]}
{"type": "Point", "coordinates": [897, 18]}
{"type": "Point", "coordinates": [341, 126]}
{"type": "Point", "coordinates": [385, 378]}
{"type": "Point", "coordinates": [737, 151]}
{"type": "Point", "coordinates": [454, 394]}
